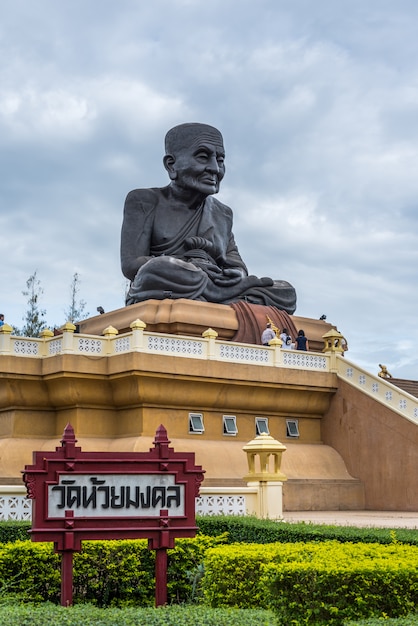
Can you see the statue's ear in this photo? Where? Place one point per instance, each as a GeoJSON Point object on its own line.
{"type": "Point", "coordinates": [169, 161]}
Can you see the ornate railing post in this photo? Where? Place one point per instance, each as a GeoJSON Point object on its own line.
{"type": "Point", "coordinates": [5, 338]}
{"type": "Point", "coordinates": [109, 333]}
{"type": "Point", "coordinates": [45, 335]}
{"type": "Point", "coordinates": [138, 327]}
{"type": "Point", "coordinates": [68, 331]}
{"type": "Point", "coordinates": [277, 344]}
{"type": "Point", "coordinates": [211, 336]}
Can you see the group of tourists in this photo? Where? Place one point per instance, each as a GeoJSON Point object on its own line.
{"type": "Point", "coordinates": [300, 342]}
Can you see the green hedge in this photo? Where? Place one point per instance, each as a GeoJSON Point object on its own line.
{"type": "Point", "coordinates": [11, 530]}
{"type": "Point", "coordinates": [314, 583]}
{"type": "Point", "coordinates": [106, 573]}
{"type": "Point", "coordinates": [79, 615]}
{"type": "Point", "coordinates": [410, 620]}
{"type": "Point", "coordinates": [253, 530]}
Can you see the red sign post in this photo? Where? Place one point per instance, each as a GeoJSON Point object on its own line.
{"type": "Point", "coordinates": [102, 495]}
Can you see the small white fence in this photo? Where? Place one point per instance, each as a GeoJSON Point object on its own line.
{"type": "Point", "coordinates": [138, 340]}
{"type": "Point", "coordinates": [14, 505]}
{"type": "Point", "coordinates": [379, 389]}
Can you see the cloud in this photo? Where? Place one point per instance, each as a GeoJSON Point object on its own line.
{"type": "Point", "coordinates": [318, 107]}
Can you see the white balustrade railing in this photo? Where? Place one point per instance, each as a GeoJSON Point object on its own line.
{"type": "Point", "coordinates": [297, 359]}
{"type": "Point", "coordinates": [14, 505]}
{"type": "Point", "coordinates": [139, 340]}
{"type": "Point", "coordinates": [173, 345]}
{"type": "Point", "coordinates": [226, 500]}
{"type": "Point", "coordinates": [379, 389]}
{"type": "Point", "coordinates": [210, 348]}
{"type": "Point", "coordinates": [221, 505]}
{"type": "Point", "coordinates": [211, 501]}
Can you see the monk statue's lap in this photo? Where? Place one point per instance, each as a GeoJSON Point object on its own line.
{"type": "Point", "coordinates": [177, 241]}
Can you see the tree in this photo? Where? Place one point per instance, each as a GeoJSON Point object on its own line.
{"type": "Point", "coordinates": [75, 311]}
{"type": "Point", "coordinates": [34, 318]}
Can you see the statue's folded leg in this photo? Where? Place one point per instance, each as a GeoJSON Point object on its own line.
{"type": "Point", "coordinates": [282, 295]}
{"type": "Point", "coordinates": [167, 277]}
{"type": "Point", "coordinates": [278, 293]}
{"type": "Point", "coordinates": [223, 294]}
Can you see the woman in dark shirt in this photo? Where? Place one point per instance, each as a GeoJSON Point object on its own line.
{"type": "Point", "coordinates": [301, 341]}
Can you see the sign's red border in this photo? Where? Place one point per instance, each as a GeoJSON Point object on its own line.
{"type": "Point", "coordinates": [68, 532]}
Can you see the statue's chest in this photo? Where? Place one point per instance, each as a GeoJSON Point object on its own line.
{"type": "Point", "coordinates": [172, 224]}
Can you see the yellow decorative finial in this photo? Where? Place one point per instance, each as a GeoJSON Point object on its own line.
{"type": "Point", "coordinates": [273, 326]}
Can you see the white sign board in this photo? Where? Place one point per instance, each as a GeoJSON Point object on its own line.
{"type": "Point", "coordinates": [115, 495]}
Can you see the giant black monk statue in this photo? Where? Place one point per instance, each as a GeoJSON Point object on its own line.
{"type": "Point", "coordinates": [177, 241]}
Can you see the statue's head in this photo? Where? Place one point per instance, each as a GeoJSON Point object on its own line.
{"type": "Point", "coordinates": [195, 157]}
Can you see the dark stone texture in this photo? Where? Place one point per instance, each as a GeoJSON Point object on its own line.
{"type": "Point", "coordinates": [177, 241]}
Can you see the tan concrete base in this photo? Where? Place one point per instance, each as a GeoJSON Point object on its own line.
{"type": "Point", "coordinates": [116, 403]}
{"type": "Point", "coordinates": [362, 519]}
{"type": "Point", "coordinates": [320, 495]}
{"type": "Point", "coordinates": [190, 317]}
{"type": "Point", "coordinates": [177, 317]}
{"type": "Point", "coordinates": [326, 483]}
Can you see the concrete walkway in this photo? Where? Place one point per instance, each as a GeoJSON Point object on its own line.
{"type": "Point", "coordinates": [377, 519]}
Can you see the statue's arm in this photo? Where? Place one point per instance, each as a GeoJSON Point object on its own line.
{"type": "Point", "coordinates": [233, 257]}
{"type": "Point", "coordinates": [220, 218]}
{"type": "Point", "coordinates": [136, 230]}
{"type": "Point", "coordinates": [233, 267]}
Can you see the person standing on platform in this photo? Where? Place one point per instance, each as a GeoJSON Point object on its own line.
{"type": "Point", "coordinates": [286, 339]}
{"type": "Point", "coordinates": [301, 341]}
{"type": "Point", "coordinates": [267, 335]}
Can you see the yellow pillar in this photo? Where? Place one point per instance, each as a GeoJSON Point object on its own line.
{"type": "Point", "coordinates": [68, 338]}
{"type": "Point", "coordinates": [264, 457]}
{"type": "Point", "coordinates": [138, 327]}
{"type": "Point", "coordinates": [277, 344]}
{"type": "Point", "coordinates": [211, 336]}
{"type": "Point", "coordinates": [45, 334]}
{"type": "Point", "coordinates": [333, 346]}
{"type": "Point", "coordinates": [110, 332]}
{"type": "Point", "coordinates": [5, 336]}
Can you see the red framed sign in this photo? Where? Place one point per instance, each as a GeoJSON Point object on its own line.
{"type": "Point", "coordinates": [109, 495]}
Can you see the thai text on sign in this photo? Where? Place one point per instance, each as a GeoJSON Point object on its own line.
{"type": "Point", "coordinates": [122, 495]}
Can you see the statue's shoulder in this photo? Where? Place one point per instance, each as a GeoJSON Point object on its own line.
{"type": "Point", "coordinates": [218, 207]}
{"type": "Point", "coordinates": [147, 197]}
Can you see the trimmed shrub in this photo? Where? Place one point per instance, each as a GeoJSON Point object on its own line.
{"type": "Point", "coordinates": [253, 530]}
{"type": "Point", "coordinates": [82, 615]}
{"type": "Point", "coordinates": [185, 566]}
{"type": "Point", "coordinates": [410, 620]}
{"type": "Point", "coordinates": [114, 573]}
{"type": "Point", "coordinates": [30, 569]}
{"type": "Point", "coordinates": [106, 573]}
{"type": "Point", "coordinates": [12, 530]}
{"type": "Point", "coordinates": [316, 583]}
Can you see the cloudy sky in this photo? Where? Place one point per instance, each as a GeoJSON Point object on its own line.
{"type": "Point", "coordinates": [318, 105]}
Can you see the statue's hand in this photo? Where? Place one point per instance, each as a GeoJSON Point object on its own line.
{"type": "Point", "coordinates": [230, 276]}
{"type": "Point", "coordinates": [211, 269]}
{"type": "Point", "coordinates": [198, 243]}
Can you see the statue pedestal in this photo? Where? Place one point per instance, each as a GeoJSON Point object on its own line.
{"type": "Point", "coordinates": [176, 317]}
{"type": "Point", "coordinates": [192, 318]}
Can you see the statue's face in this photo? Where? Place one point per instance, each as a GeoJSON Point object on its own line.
{"type": "Point", "coordinates": [199, 165]}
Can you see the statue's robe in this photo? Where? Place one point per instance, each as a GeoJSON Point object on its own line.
{"type": "Point", "coordinates": [170, 268]}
